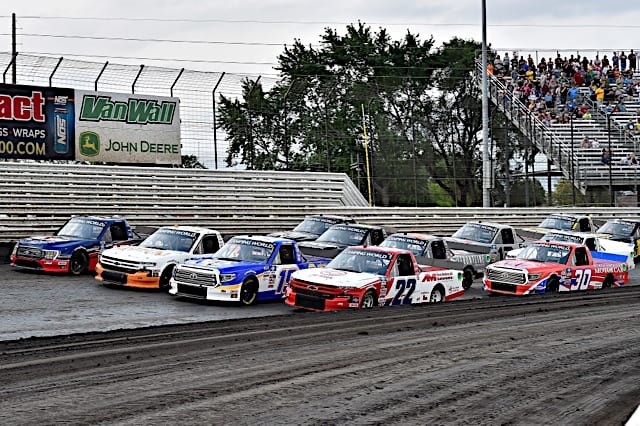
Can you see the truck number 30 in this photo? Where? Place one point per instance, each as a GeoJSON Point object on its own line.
{"type": "Point", "coordinates": [583, 277]}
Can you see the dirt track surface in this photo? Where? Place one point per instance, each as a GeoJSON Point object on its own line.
{"type": "Point", "coordinates": [557, 359]}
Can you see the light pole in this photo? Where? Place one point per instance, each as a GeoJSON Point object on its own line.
{"type": "Point", "coordinates": [611, 200]}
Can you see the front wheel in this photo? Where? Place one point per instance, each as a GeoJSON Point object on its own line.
{"type": "Point", "coordinates": [163, 284]}
{"type": "Point", "coordinates": [608, 282]}
{"type": "Point", "coordinates": [467, 277]}
{"type": "Point", "coordinates": [368, 300]}
{"type": "Point", "coordinates": [248, 293]}
{"type": "Point", "coordinates": [553, 285]}
{"type": "Point", "coordinates": [78, 263]}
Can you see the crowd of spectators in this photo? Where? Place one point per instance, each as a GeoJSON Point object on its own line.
{"type": "Point", "coordinates": [551, 88]}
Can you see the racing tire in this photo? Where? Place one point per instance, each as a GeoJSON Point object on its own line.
{"type": "Point", "coordinates": [437, 295]}
{"type": "Point", "coordinates": [467, 277]}
{"type": "Point", "coordinates": [165, 276]}
{"type": "Point", "coordinates": [368, 300]}
{"type": "Point", "coordinates": [79, 263]}
{"type": "Point", "coordinates": [248, 293]}
{"type": "Point", "coordinates": [553, 285]}
{"type": "Point", "coordinates": [608, 281]}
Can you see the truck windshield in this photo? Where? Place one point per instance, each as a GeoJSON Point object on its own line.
{"type": "Point", "coordinates": [555, 222]}
{"type": "Point", "coordinates": [404, 242]}
{"type": "Point", "coordinates": [354, 260]}
{"type": "Point", "coordinates": [170, 239]}
{"type": "Point", "coordinates": [546, 253]}
{"type": "Point", "coordinates": [346, 235]}
{"type": "Point", "coordinates": [246, 250]}
{"type": "Point", "coordinates": [616, 228]}
{"type": "Point", "coordinates": [82, 228]}
{"type": "Point", "coordinates": [313, 225]}
{"type": "Point", "coordinates": [476, 232]}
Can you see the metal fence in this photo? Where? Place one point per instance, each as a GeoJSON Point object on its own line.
{"type": "Point", "coordinates": [198, 91]}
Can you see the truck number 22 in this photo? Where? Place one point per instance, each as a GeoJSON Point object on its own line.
{"type": "Point", "coordinates": [401, 286]}
{"type": "Point", "coordinates": [583, 277]}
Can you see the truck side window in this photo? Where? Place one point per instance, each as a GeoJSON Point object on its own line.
{"type": "Point", "coordinates": [438, 250]}
{"type": "Point", "coordinates": [405, 266]}
{"type": "Point", "coordinates": [118, 231]}
{"type": "Point", "coordinates": [584, 224]}
{"type": "Point", "coordinates": [507, 236]}
{"type": "Point", "coordinates": [107, 236]}
{"type": "Point", "coordinates": [591, 244]}
{"type": "Point", "coordinates": [210, 244]}
{"type": "Point", "coordinates": [581, 256]}
{"type": "Point", "coordinates": [286, 255]}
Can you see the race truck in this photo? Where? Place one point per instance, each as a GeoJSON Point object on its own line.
{"type": "Point", "coordinates": [338, 237]}
{"type": "Point", "coordinates": [247, 269]}
{"type": "Point", "coordinates": [150, 264]}
{"type": "Point", "coordinates": [488, 238]}
{"type": "Point", "coordinates": [434, 251]}
{"type": "Point", "coordinates": [594, 243]}
{"type": "Point", "coordinates": [560, 222]}
{"type": "Point", "coordinates": [550, 266]}
{"type": "Point", "coordinates": [74, 248]}
{"type": "Point", "coordinates": [625, 231]}
{"type": "Point", "coordinates": [363, 277]}
{"type": "Point", "coordinates": [312, 227]}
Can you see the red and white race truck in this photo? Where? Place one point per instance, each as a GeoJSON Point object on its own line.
{"type": "Point", "coordinates": [363, 277]}
{"type": "Point", "coordinates": [551, 266]}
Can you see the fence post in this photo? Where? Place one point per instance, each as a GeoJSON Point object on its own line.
{"type": "Point", "coordinates": [175, 82]}
{"type": "Point", "coordinates": [104, 67]}
{"type": "Point", "coordinates": [11, 63]}
{"type": "Point", "coordinates": [135, 80]}
{"type": "Point", "coordinates": [54, 71]}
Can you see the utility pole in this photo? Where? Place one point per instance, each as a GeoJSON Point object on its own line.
{"type": "Point", "coordinates": [14, 51]}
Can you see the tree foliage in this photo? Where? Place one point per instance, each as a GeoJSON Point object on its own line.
{"type": "Point", "coordinates": [417, 105]}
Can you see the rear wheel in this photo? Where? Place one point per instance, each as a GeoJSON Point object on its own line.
{"type": "Point", "coordinates": [368, 300]}
{"type": "Point", "coordinates": [248, 293]}
{"type": "Point", "coordinates": [78, 263]}
{"type": "Point", "coordinates": [553, 285]}
{"type": "Point", "coordinates": [467, 277]}
{"type": "Point", "coordinates": [608, 281]}
{"type": "Point", "coordinates": [437, 295]}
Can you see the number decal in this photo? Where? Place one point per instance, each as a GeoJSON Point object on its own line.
{"type": "Point", "coordinates": [283, 279]}
{"type": "Point", "coordinates": [583, 278]}
{"type": "Point", "coordinates": [401, 286]}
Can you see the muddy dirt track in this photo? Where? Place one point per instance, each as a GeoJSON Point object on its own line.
{"type": "Point", "coordinates": [557, 359]}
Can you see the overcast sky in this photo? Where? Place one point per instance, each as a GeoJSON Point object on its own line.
{"type": "Point", "coordinates": [245, 36]}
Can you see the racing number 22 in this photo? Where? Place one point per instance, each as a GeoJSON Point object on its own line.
{"type": "Point", "coordinates": [402, 285]}
{"type": "Point", "coordinates": [583, 277]}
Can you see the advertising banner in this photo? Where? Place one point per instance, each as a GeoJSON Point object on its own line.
{"type": "Point", "coordinates": [36, 122]}
{"type": "Point", "coordinates": [127, 128]}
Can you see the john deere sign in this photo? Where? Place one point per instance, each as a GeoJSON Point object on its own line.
{"type": "Point", "coordinates": [127, 128]}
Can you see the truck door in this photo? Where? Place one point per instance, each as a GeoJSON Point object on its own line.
{"type": "Point", "coordinates": [581, 270]}
{"type": "Point", "coordinates": [284, 264]}
{"type": "Point", "coordinates": [404, 281]}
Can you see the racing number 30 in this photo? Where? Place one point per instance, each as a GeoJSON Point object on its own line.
{"type": "Point", "coordinates": [583, 277]}
{"type": "Point", "coordinates": [402, 285]}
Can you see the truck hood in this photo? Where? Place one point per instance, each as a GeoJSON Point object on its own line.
{"type": "Point", "coordinates": [295, 235]}
{"type": "Point", "coordinates": [225, 266]}
{"type": "Point", "coordinates": [524, 264]}
{"type": "Point", "coordinates": [335, 277]}
{"type": "Point", "coordinates": [141, 254]}
{"type": "Point", "coordinates": [54, 242]}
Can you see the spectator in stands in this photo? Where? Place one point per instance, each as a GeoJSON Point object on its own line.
{"type": "Point", "coordinates": [595, 143]}
{"type": "Point", "coordinates": [586, 142]}
{"type": "Point", "coordinates": [623, 61]}
{"type": "Point", "coordinates": [629, 160]}
{"type": "Point", "coordinates": [629, 128]}
{"type": "Point", "coordinates": [506, 62]}
{"type": "Point", "coordinates": [599, 94]}
{"type": "Point", "coordinates": [632, 61]}
{"type": "Point", "coordinates": [606, 156]}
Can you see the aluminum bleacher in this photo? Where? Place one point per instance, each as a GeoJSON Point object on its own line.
{"type": "Point", "coordinates": [38, 198]}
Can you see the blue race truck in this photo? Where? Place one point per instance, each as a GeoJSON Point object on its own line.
{"type": "Point", "coordinates": [75, 247]}
{"type": "Point", "coordinates": [247, 269]}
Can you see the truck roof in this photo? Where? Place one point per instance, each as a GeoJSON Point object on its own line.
{"type": "Point", "coordinates": [190, 228]}
{"type": "Point", "coordinates": [558, 243]}
{"type": "Point", "coordinates": [380, 249]}
{"type": "Point", "coordinates": [416, 235]}
{"type": "Point", "coordinates": [265, 238]}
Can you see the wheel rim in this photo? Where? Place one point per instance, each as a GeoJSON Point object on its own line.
{"type": "Point", "coordinates": [247, 295]}
{"type": "Point", "coordinates": [77, 264]}
{"type": "Point", "coordinates": [467, 279]}
{"type": "Point", "coordinates": [367, 301]}
{"type": "Point", "coordinates": [436, 296]}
